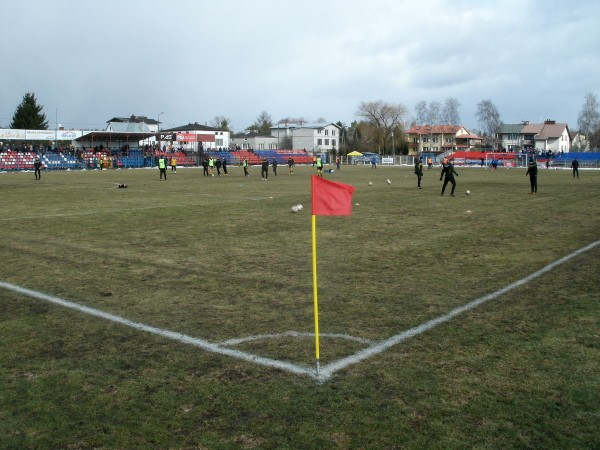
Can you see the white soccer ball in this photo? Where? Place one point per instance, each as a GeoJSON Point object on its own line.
{"type": "Point", "coordinates": [468, 192]}
{"type": "Point", "coordinates": [295, 209]}
{"type": "Point", "coordinates": [389, 182]}
{"type": "Point", "coordinates": [370, 183]}
{"type": "Point", "coordinates": [300, 207]}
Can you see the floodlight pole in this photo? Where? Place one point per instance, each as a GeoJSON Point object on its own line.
{"type": "Point", "coordinates": [158, 131]}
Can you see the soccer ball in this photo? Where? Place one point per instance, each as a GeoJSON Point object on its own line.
{"type": "Point", "coordinates": [370, 183]}
{"type": "Point", "coordinates": [300, 207]}
{"type": "Point", "coordinates": [389, 182]}
{"type": "Point", "coordinates": [468, 192]}
{"type": "Point", "coordinates": [295, 209]}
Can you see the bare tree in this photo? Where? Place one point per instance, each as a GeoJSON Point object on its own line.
{"type": "Point", "coordinates": [450, 115]}
{"type": "Point", "coordinates": [221, 122]}
{"type": "Point", "coordinates": [488, 119]}
{"type": "Point", "coordinates": [434, 111]}
{"type": "Point", "coordinates": [421, 113]}
{"type": "Point", "coordinates": [589, 117]}
{"type": "Point", "coordinates": [380, 120]}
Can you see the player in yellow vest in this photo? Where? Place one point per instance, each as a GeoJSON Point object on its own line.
{"type": "Point", "coordinates": [162, 167]}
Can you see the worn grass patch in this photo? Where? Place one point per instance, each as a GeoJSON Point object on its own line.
{"type": "Point", "coordinates": [222, 259]}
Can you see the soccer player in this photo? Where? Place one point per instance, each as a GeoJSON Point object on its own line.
{"type": "Point", "coordinates": [448, 173]}
{"type": "Point", "coordinates": [575, 167]}
{"type": "Point", "coordinates": [264, 168]}
{"type": "Point", "coordinates": [224, 163]}
{"type": "Point", "coordinates": [291, 165]}
{"type": "Point", "coordinates": [419, 171]}
{"type": "Point", "coordinates": [37, 166]}
{"type": "Point", "coordinates": [245, 164]}
{"type": "Point", "coordinates": [218, 166]}
{"type": "Point", "coordinates": [320, 166]}
{"type": "Point", "coordinates": [532, 171]}
{"type": "Point", "coordinates": [274, 165]}
{"type": "Point", "coordinates": [162, 167]}
{"type": "Point", "coordinates": [173, 164]}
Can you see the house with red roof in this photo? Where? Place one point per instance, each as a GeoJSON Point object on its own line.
{"type": "Point", "coordinates": [440, 139]}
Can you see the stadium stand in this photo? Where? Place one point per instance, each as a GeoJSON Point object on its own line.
{"type": "Point", "coordinates": [16, 161]}
{"type": "Point", "coordinates": [586, 159]}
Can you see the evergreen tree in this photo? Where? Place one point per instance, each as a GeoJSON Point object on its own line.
{"type": "Point", "coordinates": [29, 115]}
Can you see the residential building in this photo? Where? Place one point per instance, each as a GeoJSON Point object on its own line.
{"type": "Point", "coordinates": [579, 142]}
{"type": "Point", "coordinates": [314, 138]}
{"type": "Point", "coordinates": [440, 139]}
{"type": "Point", "coordinates": [254, 141]}
{"type": "Point", "coordinates": [539, 137]}
{"type": "Point", "coordinates": [133, 124]}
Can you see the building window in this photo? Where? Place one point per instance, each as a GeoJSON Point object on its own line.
{"type": "Point", "coordinates": [435, 149]}
{"type": "Point", "coordinates": [319, 131]}
{"type": "Point", "coordinates": [219, 142]}
{"type": "Point", "coordinates": [435, 140]}
{"type": "Point", "coordinates": [319, 141]}
{"type": "Point", "coordinates": [333, 132]}
{"type": "Point", "coordinates": [333, 142]}
{"type": "Point", "coordinates": [449, 140]}
{"type": "Point", "coordinates": [326, 141]}
{"type": "Point", "coordinates": [326, 132]}
{"type": "Point", "coordinates": [425, 139]}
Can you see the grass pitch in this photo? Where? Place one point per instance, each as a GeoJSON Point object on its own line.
{"type": "Point", "coordinates": [225, 258]}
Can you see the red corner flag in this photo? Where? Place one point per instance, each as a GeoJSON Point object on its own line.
{"type": "Point", "coordinates": [330, 198]}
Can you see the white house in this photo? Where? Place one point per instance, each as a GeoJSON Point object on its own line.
{"type": "Point", "coordinates": [541, 137]}
{"type": "Point", "coordinates": [314, 138]}
{"type": "Point", "coordinates": [133, 124]}
{"type": "Point", "coordinates": [254, 141]}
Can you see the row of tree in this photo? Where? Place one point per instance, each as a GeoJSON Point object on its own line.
{"type": "Point", "coordinates": [380, 126]}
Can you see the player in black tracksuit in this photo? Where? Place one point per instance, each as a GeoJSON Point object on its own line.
{"type": "Point", "coordinates": [37, 165]}
{"type": "Point", "coordinates": [448, 172]}
{"type": "Point", "coordinates": [575, 167]}
{"type": "Point", "coordinates": [532, 171]}
{"type": "Point", "coordinates": [264, 169]}
{"type": "Point", "coordinates": [419, 171]}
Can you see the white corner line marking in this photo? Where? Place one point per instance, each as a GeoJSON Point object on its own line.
{"type": "Point", "coordinates": [329, 369]}
{"type": "Point", "coordinates": [326, 371]}
{"type": "Point", "coordinates": [205, 345]}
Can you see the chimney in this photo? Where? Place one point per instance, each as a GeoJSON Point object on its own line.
{"type": "Point", "coordinates": [549, 122]}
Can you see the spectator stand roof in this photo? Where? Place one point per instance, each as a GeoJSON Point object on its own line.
{"type": "Point", "coordinates": [111, 138]}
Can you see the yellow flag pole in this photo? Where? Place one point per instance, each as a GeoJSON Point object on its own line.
{"type": "Point", "coordinates": [315, 301]}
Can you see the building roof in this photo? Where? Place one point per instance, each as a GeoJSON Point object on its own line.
{"type": "Point", "coordinates": [133, 119]}
{"type": "Point", "coordinates": [111, 136]}
{"type": "Point", "coordinates": [435, 129]}
{"type": "Point", "coordinates": [552, 130]}
{"type": "Point", "coordinates": [303, 125]}
{"type": "Point", "coordinates": [253, 134]}
{"type": "Point", "coordinates": [532, 128]}
{"type": "Point", "coordinates": [129, 127]}
{"type": "Point", "coordinates": [193, 127]}
{"type": "Point", "coordinates": [510, 128]}
{"type": "Point", "coordinates": [468, 136]}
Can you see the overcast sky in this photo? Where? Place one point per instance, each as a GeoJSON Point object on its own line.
{"type": "Point", "coordinates": [89, 61]}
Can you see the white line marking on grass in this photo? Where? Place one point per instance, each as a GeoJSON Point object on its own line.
{"type": "Point", "coordinates": [326, 371]}
{"type": "Point", "coordinates": [232, 342]}
{"type": "Point", "coordinates": [205, 345]}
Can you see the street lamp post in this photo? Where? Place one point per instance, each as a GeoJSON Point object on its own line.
{"type": "Point", "coordinates": [158, 127]}
{"type": "Point", "coordinates": [393, 149]}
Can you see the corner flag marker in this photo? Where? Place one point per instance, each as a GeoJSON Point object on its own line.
{"type": "Point", "coordinates": [328, 199]}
